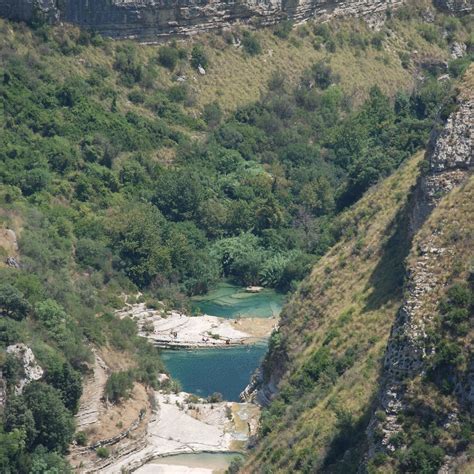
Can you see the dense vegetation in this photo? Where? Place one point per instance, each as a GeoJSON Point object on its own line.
{"type": "Point", "coordinates": [115, 185]}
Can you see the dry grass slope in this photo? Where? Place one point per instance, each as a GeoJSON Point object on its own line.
{"type": "Point", "coordinates": [348, 303]}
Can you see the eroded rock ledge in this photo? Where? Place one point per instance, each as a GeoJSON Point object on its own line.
{"type": "Point", "coordinates": [148, 20]}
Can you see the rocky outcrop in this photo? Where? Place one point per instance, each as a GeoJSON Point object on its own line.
{"type": "Point", "coordinates": [149, 20]}
{"type": "Point", "coordinates": [31, 369]}
{"type": "Point", "coordinates": [92, 393]}
{"type": "Point", "coordinates": [455, 6]}
{"type": "Point", "coordinates": [28, 10]}
{"type": "Point", "coordinates": [451, 160]}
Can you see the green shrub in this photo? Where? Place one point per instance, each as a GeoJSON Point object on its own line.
{"type": "Point", "coordinates": [12, 302]}
{"type": "Point", "coordinates": [178, 93]}
{"type": "Point", "coordinates": [168, 57]}
{"type": "Point", "coordinates": [128, 64]}
{"type": "Point", "coordinates": [119, 386]}
{"type": "Point", "coordinates": [283, 29]}
{"type": "Point", "coordinates": [136, 96]}
{"type": "Point", "coordinates": [429, 32]}
{"type": "Point", "coordinates": [199, 57]}
{"type": "Point", "coordinates": [216, 397]}
{"type": "Point", "coordinates": [423, 458]}
{"type": "Point", "coordinates": [212, 114]}
{"type": "Point", "coordinates": [251, 44]}
{"type": "Point", "coordinates": [102, 452]}
{"type": "Point", "coordinates": [235, 465]}
{"type": "Point", "coordinates": [377, 41]}
{"type": "Point", "coordinates": [457, 67]}
{"type": "Point", "coordinates": [81, 438]}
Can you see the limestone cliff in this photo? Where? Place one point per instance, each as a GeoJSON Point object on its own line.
{"type": "Point", "coordinates": [455, 6]}
{"type": "Point", "coordinates": [152, 19]}
{"type": "Point", "coordinates": [451, 160]}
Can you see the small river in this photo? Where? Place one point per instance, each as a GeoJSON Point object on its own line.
{"type": "Point", "coordinates": [225, 370]}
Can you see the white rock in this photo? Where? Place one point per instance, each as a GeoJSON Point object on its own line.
{"type": "Point", "coordinates": [33, 371]}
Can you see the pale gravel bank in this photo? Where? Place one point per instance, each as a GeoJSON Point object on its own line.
{"type": "Point", "coordinates": [182, 426]}
{"type": "Point", "coordinates": [153, 468]}
{"type": "Point", "coordinates": [174, 329]}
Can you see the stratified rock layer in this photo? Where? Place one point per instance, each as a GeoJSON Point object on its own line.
{"type": "Point", "coordinates": [151, 19]}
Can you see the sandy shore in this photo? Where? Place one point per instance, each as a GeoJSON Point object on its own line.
{"type": "Point", "coordinates": [174, 329]}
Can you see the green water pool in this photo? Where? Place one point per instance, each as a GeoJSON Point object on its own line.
{"type": "Point", "coordinates": [223, 370]}
{"type": "Point", "coordinates": [230, 301]}
{"type": "Point", "coordinates": [205, 371]}
{"type": "Point", "coordinates": [218, 462]}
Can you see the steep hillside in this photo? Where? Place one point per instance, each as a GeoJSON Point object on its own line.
{"type": "Point", "coordinates": [326, 356]}
{"type": "Point", "coordinates": [326, 360]}
{"type": "Point", "coordinates": [162, 170]}
{"type": "Point", "coordinates": [425, 400]}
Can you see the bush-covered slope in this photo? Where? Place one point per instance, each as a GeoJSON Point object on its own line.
{"type": "Point", "coordinates": [327, 357]}
{"type": "Point", "coordinates": [120, 172]}
{"type": "Point", "coordinates": [333, 335]}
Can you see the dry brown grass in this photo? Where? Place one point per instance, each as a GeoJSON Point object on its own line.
{"type": "Point", "coordinates": [339, 299]}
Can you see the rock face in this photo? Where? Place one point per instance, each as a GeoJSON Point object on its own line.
{"type": "Point", "coordinates": [152, 19]}
{"type": "Point", "coordinates": [451, 158]}
{"type": "Point", "coordinates": [28, 10]}
{"type": "Point", "coordinates": [32, 370]}
{"type": "Point", "coordinates": [455, 6]}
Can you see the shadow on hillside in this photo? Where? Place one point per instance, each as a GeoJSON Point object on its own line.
{"type": "Point", "coordinates": [348, 449]}
{"type": "Point", "coordinates": [388, 276]}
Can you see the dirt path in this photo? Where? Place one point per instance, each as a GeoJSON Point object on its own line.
{"type": "Point", "coordinates": [90, 402]}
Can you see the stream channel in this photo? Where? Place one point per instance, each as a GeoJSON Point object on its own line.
{"type": "Point", "coordinates": [223, 370]}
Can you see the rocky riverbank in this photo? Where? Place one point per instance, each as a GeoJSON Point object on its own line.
{"type": "Point", "coordinates": [172, 329]}
{"type": "Point", "coordinates": [183, 423]}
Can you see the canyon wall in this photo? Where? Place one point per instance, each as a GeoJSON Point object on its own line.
{"type": "Point", "coordinates": [148, 20]}
{"type": "Point", "coordinates": [451, 161]}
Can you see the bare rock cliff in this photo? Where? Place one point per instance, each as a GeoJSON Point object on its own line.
{"type": "Point", "coordinates": [149, 20]}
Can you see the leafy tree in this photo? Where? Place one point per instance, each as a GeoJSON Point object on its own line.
{"type": "Point", "coordinates": [69, 383]}
{"type": "Point", "coordinates": [19, 417]}
{"type": "Point", "coordinates": [179, 194]}
{"type": "Point", "coordinates": [43, 461]}
{"type": "Point", "coordinates": [12, 445]}
{"type": "Point", "coordinates": [52, 316]}
{"type": "Point", "coordinates": [54, 424]}
{"type": "Point", "coordinates": [136, 236]}
{"type": "Point", "coordinates": [12, 302]}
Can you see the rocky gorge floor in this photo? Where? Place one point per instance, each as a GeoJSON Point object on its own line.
{"type": "Point", "coordinates": [166, 424]}
{"type": "Point", "coordinates": [172, 329]}
{"type": "Point", "coordinates": [159, 424]}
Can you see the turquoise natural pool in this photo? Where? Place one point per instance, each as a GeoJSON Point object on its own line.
{"type": "Point", "coordinates": [205, 371]}
{"type": "Point", "coordinates": [218, 462]}
{"type": "Point", "coordinates": [230, 301]}
{"type": "Point", "coordinates": [223, 370]}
